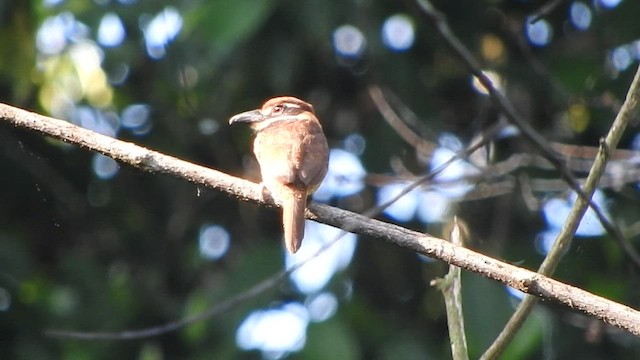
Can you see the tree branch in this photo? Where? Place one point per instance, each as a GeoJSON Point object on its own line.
{"type": "Point", "coordinates": [144, 159]}
{"type": "Point", "coordinates": [451, 288]}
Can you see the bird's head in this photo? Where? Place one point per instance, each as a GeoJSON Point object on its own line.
{"type": "Point", "coordinates": [278, 109]}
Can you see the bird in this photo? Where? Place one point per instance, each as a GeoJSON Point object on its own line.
{"type": "Point", "coordinates": [293, 155]}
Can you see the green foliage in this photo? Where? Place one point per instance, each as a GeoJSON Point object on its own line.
{"type": "Point", "coordinates": [82, 253]}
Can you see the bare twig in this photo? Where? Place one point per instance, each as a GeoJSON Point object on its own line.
{"type": "Point", "coordinates": [224, 306]}
{"type": "Point", "coordinates": [228, 304]}
{"type": "Point", "coordinates": [423, 147]}
{"type": "Point", "coordinates": [451, 289]}
{"type": "Point", "coordinates": [524, 280]}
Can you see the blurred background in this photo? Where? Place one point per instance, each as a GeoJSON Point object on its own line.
{"type": "Point", "coordinates": [87, 245]}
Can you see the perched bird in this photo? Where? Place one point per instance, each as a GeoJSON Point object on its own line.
{"type": "Point", "coordinates": [293, 155]}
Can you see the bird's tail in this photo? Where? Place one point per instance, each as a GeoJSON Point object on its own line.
{"type": "Point", "coordinates": [293, 205]}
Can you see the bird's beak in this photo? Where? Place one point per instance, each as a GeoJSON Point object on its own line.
{"type": "Point", "coordinates": [247, 117]}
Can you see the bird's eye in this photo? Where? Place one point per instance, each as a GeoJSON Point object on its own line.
{"type": "Point", "coordinates": [277, 109]}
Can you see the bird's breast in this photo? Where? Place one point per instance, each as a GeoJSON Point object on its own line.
{"type": "Point", "coordinates": [292, 154]}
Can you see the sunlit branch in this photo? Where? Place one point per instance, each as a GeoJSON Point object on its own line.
{"type": "Point", "coordinates": [524, 280]}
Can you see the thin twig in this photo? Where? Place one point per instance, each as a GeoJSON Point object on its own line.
{"type": "Point", "coordinates": [451, 288]}
{"type": "Point", "coordinates": [258, 289]}
{"type": "Point", "coordinates": [423, 147]}
{"type": "Point", "coordinates": [545, 10]}
{"type": "Point", "coordinates": [224, 306]}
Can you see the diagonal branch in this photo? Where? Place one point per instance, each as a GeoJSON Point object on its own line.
{"type": "Point", "coordinates": [509, 111]}
{"type": "Point", "coordinates": [524, 280]}
{"type": "Point", "coordinates": [562, 242]}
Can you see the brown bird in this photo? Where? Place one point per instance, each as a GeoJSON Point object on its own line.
{"type": "Point", "coordinates": [293, 155]}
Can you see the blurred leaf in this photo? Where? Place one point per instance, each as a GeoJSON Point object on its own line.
{"type": "Point", "coordinates": [151, 351]}
{"type": "Point", "coordinates": [16, 57]}
{"type": "Point", "coordinates": [486, 309]}
{"type": "Point", "coordinates": [407, 344]}
{"type": "Point", "coordinates": [226, 23]}
{"type": "Point", "coordinates": [331, 340]}
{"type": "Point", "coordinates": [197, 304]}
{"type": "Point", "coordinates": [527, 340]}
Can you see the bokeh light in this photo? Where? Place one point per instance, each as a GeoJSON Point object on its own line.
{"type": "Point", "coordinates": [590, 225]}
{"type": "Point", "coordinates": [556, 211]}
{"type": "Point", "coordinates": [56, 32]}
{"type": "Point", "coordinates": [349, 42]}
{"type": "Point", "coordinates": [87, 58]}
{"type": "Point", "coordinates": [345, 176]}
{"type": "Point", "coordinates": [610, 4]}
{"type": "Point", "coordinates": [208, 126]}
{"type": "Point", "coordinates": [111, 31]}
{"type": "Point", "coordinates": [214, 241]}
{"type": "Point", "coordinates": [433, 206]}
{"type": "Point", "coordinates": [538, 33]}
{"type": "Point", "coordinates": [73, 76]}
{"type": "Point", "coordinates": [119, 74]}
{"type": "Point", "coordinates": [51, 37]}
{"type": "Point", "coordinates": [621, 58]}
{"type": "Point", "coordinates": [580, 15]}
{"type": "Point", "coordinates": [495, 78]}
{"type": "Point", "coordinates": [275, 332]}
{"type": "Point", "coordinates": [579, 117]}
{"type": "Point", "coordinates": [492, 48]}
{"type": "Point", "coordinates": [161, 30]}
{"type": "Point", "coordinates": [452, 174]}
{"type": "Point", "coordinates": [355, 144]}
{"type": "Point", "coordinates": [104, 167]}
{"type": "Point", "coordinates": [321, 306]}
{"type": "Point", "coordinates": [135, 116]}
{"type": "Point", "coordinates": [398, 33]}
{"type": "Point", "coordinates": [316, 273]}
{"type": "Point", "coordinates": [404, 208]}
{"type": "Point", "coordinates": [96, 120]}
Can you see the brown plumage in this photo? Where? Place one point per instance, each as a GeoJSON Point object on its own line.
{"type": "Point", "coordinates": [293, 155]}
